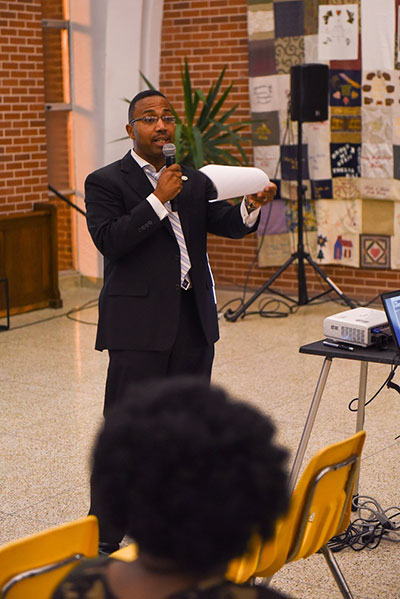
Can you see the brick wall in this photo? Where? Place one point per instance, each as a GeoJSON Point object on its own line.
{"type": "Point", "coordinates": [212, 33]}
{"type": "Point", "coordinates": [23, 164]}
{"type": "Point", "coordinates": [54, 9]}
{"type": "Point", "coordinates": [23, 135]}
{"type": "Point", "coordinates": [53, 64]}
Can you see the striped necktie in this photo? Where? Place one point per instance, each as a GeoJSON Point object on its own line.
{"type": "Point", "coordinates": [177, 229]}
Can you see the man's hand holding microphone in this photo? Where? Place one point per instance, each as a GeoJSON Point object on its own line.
{"type": "Point", "coordinates": [170, 182]}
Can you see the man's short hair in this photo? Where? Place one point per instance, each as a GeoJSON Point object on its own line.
{"type": "Point", "coordinates": [144, 94]}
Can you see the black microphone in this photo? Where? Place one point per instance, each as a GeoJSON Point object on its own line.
{"type": "Point", "coordinates": [169, 151]}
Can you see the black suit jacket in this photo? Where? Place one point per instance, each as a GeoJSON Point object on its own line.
{"type": "Point", "coordinates": [140, 300]}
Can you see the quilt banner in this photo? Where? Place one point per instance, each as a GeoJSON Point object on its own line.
{"type": "Point", "coordinates": [351, 161]}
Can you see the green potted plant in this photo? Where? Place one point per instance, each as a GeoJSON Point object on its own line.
{"type": "Point", "coordinates": [203, 135]}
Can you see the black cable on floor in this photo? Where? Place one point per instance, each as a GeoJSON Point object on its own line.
{"type": "Point", "coordinates": [385, 383]}
{"type": "Point", "coordinates": [371, 525]}
{"type": "Point", "coordinates": [90, 304]}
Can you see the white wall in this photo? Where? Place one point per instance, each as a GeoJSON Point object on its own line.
{"type": "Point", "coordinates": [111, 41]}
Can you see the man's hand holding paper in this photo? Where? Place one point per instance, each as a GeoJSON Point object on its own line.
{"type": "Point", "coordinates": [261, 198]}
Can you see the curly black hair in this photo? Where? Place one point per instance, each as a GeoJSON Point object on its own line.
{"type": "Point", "coordinates": [190, 472]}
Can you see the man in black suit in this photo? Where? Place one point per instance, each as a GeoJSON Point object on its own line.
{"type": "Point", "coordinates": [157, 310]}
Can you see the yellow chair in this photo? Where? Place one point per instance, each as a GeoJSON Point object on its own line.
{"type": "Point", "coordinates": [320, 508]}
{"type": "Point", "coordinates": [126, 554]}
{"type": "Point", "coordinates": [33, 566]}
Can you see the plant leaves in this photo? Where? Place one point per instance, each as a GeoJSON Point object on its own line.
{"type": "Point", "coordinates": [147, 82]}
{"type": "Point", "coordinates": [210, 138]}
{"type": "Point", "coordinates": [178, 142]}
{"type": "Point", "coordinates": [198, 148]}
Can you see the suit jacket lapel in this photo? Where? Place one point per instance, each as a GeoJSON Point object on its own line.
{"type": "Point", "coordinates": [140, 184]}
{"type": "Point", "coordinates": [135, 177]}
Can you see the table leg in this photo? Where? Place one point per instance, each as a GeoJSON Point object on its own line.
{"type": "Point", "coordinates": [309, 423]}
{"type": "Point", "coordinates": [362, 391]}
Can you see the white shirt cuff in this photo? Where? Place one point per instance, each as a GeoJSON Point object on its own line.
{"type": "Point", "coordinates": [158, 206]}
{"type": "Point", "coordinates": [248, 219]}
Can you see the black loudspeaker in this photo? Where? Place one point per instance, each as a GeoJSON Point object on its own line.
{"type": "Point", "coordinates": [309, 89]}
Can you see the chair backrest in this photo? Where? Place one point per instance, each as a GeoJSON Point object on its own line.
{"type": "Point", "coordinates": [320, 508]}
{"type": "Point", "coordinates": [32, 567]}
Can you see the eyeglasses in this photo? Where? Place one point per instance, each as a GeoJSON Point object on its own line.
{"type": "Point", "coordinates": [152, 120]}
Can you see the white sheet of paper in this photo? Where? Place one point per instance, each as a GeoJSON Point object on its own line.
{"type": "Point", "coordinates": [235, 181]}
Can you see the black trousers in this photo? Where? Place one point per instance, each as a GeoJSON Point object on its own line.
{"type": "Point", "coordinates": [189, 355]}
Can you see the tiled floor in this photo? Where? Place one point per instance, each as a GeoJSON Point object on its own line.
{"type": "Point", "coordinates": [51, 386]}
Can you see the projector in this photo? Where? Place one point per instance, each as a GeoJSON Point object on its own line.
{"type": "Point", "coordinates": [358, 326]}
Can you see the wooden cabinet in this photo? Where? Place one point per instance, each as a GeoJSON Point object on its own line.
{"type": "Point", "coordinates": [28, 259]}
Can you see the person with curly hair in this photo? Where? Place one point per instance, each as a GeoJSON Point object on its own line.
{"type": "Point", "coordinates": [190, 474]}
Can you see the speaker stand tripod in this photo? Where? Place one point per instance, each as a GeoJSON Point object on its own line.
{"type": "Point", "coordinates": [299, 255]}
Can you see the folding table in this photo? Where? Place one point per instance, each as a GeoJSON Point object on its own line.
{"type": "Point", "coordinates": [364, 356]}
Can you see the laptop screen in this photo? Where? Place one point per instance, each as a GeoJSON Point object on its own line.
{"type": "Point", "coordinates": [391, 304]}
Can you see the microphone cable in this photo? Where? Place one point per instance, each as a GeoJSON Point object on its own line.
{"type": "Point", "coordinates": [371, 525]}
{"type": "Point", "coordinates": [89, 304]}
